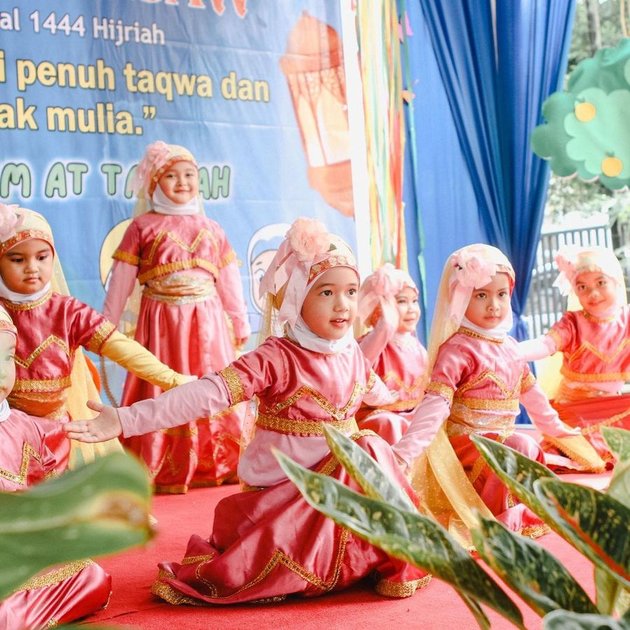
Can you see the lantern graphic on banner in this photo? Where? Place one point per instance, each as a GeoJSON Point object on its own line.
{"type": "Point", "coordinates": [313, 66]}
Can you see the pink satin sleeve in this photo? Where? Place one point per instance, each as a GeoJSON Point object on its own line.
{"type": "Point", "coordinates": [121, 284]}
{"type": "Point", "coordinates": [425, 423]}
{"type": "Point", "coordinates": [374, 343]}
{"type": "Point", "coordinates": [536, 349]}
{"type": "Point", "coordinates": [230, 290]}
{"type": "Point", "coordinates": [543, 415]}
{"type": "Point", "coordinates": [202, 398]}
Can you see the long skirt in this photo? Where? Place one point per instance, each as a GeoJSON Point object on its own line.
{"type": "Point", "coordinates": [269, 544]}
{"type": "Point", "coordinates": [191, 338]}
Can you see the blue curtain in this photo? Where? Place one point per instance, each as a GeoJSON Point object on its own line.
{"type": "Point", "coordinates": [497, 70]}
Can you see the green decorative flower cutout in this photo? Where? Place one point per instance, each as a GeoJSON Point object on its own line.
{"type": "Point", "coordinates": [588, 126]}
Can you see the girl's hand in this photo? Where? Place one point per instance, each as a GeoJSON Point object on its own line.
{"type": "Point", "coordinates": [105, 426]}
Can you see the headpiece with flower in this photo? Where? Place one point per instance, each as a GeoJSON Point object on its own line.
{"type": "Point", "coordinates": [6, 323]}
{"type": "Point", "coordinates": [157, 158]}
{"type": "Point", "coordinates": [20, 224]}
{"type": "Point", "coordinates": [307, 251]}
{"type": "Point", "coordinates": [383, 285]}
{"type": "Point", "coordinates": [572, 260]}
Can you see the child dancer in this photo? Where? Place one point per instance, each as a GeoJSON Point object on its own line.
{"type": "Point", "coordinates": [53, 327]}
{"type": "Point", "coordinates": [267, 543]}
{"type": "Point", "coordinates": [477, 382]}
{"type": "Point", "coordinates": [388, 301]}
{"type": "Point", "coordinates": [67, 592]}
{"type": "Point", "coordinates": [595, 345]}
{"type": "Point", "coordinates": [190, 280]}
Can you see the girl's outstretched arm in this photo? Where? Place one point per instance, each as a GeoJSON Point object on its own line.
{"type": "Point", "coordinates": [105, 426]}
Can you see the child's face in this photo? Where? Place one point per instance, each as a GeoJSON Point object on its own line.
{"type": "Point", "coordinates": [330, 306]}
{"type": "Point", "coordinates": [7, 364]}
{"type": "Point", "coordinates": [408, 310]}
{"type": "Point", "coordinates": [27, 267]}
{"type": "Point", "coordinates": [180, 183]}
{"type": "Point", "coordinates": [596, 292]}
{"type": "Point", "coordinates": [490, 304]}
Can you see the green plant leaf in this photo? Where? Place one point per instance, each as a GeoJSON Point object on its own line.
{"type": "Point", "coordinates": [405, 535]}
{"type": "Point", "coordinates": [594, 523]}
{"type": "Point", "coordinates": [608, 591]}
{"type": "Point", "coordinates": [517, 472]}
{"type": "Point", "coordinates": [530, 570]}
{"type": "Point", "coordinates": [364, 469]}
{"type": "Point", "coordinates": [91, 511]}
{"type": "Point", "coordinates": [564, 620]}
{"type": "Point", "coordinates": [619, 442]}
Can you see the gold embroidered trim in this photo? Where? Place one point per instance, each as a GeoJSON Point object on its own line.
{"type": "Point", "coordinates": [169, 594]}
{"type": "Point", "coordinates": [49, 341]}
{"type": "Point", "coordinates": [98, 338]}
{"type": "Point", "coordinates": [329, 263]}
{"type": "Point", "coordinates": [27, 306]}
{"type": "Point", "coordinates": [55, 576]}
{"type": "Point", "coordinates": [233, 382]}
{"type": "Point", "coordinates": [592, 428]}
{"type": "Point", "coordinates": [594, 378]}
{"type": "Point", "coordinates": [195, 559]}
{"type": "Point", "coordinates": [535, 531]}
{"type": "Point", "coordinates": [447, 392]}
{"type": "Point", "coordinates": [304, 391]}
{"type": "Point", "coordinates": [528, 382]}
{"type": "Point", "coordinates": [402, 405]}
{"type": "Point", "coordinates": [587, 346]}
{"type": "Point", "coordinates": [487, 404]}
{"type": "Point", "coordinates": [177, 299]}
{"type": "Point", "coordinates": [388, 588]}
{"type": "Point", "coordinates": [487, 375]}
{"type": "Point", "coordinates": [28, 453]}
{"type": "Point", "coordinates": [304, 428]}
{"type": "Point", "coordinates": [557, 339]}
{"type": "Point", "coordinates": [173, 236]}
{"type": "Point", "coordinates": [178, 265]}
{"type": "Point", "coordinates": [597, 320]}
{"type": "Point", "coordinates": [25, 235]}
{"type": "Point", "coordinates": [41, 385]}
{"type": "Point", "coordinates": [475, 335]}
{"type": "Point", "coordinates": [393, 378]}
{"type": "Point", "coordinates": [126, 257]}
{"type": "Point", "coordinates": [565, 449]}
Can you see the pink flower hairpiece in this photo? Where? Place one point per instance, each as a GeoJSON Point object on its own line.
{"type": "Point", "coordinates": [567, 269]}
{"type": "Point", "coordinates": [154, 158]}
{"type": "Point", "coordinates": [10, 221]}
{"type": "Point", "coordinates": [308, 238]}
{"type": "Point", "coordinates": [471, 271]}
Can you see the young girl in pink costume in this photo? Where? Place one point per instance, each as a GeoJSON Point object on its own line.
{"type": "Point", "coordinates": [595, 345]}
{"type": "Point", "coordinates": [53, 327]}
{"type": "Point", "coordinates": [477, 382]}
{"type": "Point", "coordinates": [388, 301]}
{"type": "Point", "coordinates": [190, 282]}
{"type": "Point", "coordinates": [67, 592]}
{"type": "Point", "coordinates": [267, 543]}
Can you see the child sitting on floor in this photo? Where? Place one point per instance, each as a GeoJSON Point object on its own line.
{"type": "Point", "coordinates": [595, 345]}
{"type": "Point", "coordinates": [53, 327]}
{"type": "Point", "coordinates": [316, 374]}
{"type": "Point", "coordinates": [67, 592]}
{"type": "Point", "coordinates": [388, 302]}
{"type": "Point", "coordinates": [477, 382]}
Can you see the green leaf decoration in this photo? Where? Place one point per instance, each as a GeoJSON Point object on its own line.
{"type": "Point", "coordinates": [608, 591]}
{"type": "Point", "coordinates": [588, 129]}
{"type": "Point", "coordinates": [91, 511]}
{"type": "Point", "coordinates": [405, 535]}
{"type": "Point", "coordinates": [619, 442]}
{"type": "Point", "coordinates": [530, 570]}
{"type": "Point", "coordinates": [364, 469]}
{"type": "Point", "coordinates": [594, 523]}
{"type": "Point", "coordinates": [564, 620]}
{"type": "Point", "coordinates": [517, 472]}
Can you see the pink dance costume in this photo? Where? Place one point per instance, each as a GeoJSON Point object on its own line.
{"type": "Point", "coordinates": [398, 358]}
{"type": "Point", "coordinates": [267, 543]}
{"type": "Point", "coordinates": [477, 382]}
{"type": "Point", "coordinates": [31, 450]}
{"type": "Point", "coordinates": [192, 308]}
{"type": "Point", "coordinates": [595, 355]}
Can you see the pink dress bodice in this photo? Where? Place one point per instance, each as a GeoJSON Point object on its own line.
{"type": "Point", "coordinates": [594, 350]}
{"type": "Point", "coordinates": [50, 330]}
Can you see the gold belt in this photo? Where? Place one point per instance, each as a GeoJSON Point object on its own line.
{"type": "Point", "coordinates": [304, 428]}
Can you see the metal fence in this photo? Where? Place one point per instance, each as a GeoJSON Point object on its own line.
{"type": "Point", "coordinates": [544, 304]}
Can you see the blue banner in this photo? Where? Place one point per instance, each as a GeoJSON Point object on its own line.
{"type": "Point", "coordinates": [256, 90]}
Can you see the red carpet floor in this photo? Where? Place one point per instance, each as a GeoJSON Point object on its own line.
{"type": "Point", "coordinates": [436, 607]}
